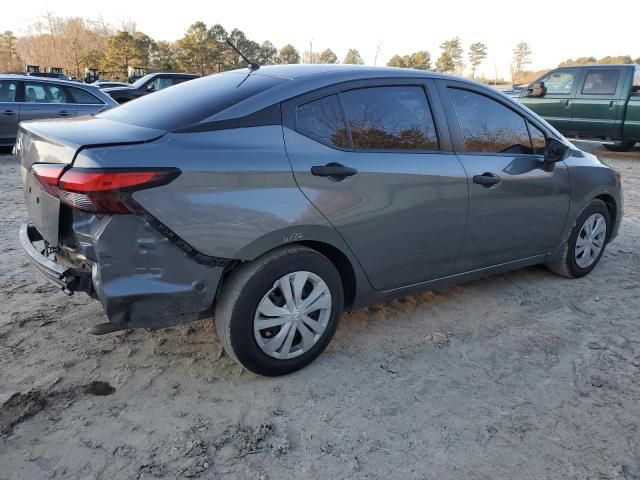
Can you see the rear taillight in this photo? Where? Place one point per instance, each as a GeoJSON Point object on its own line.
{"type": "Point", "coordinates": [105, 190]}
{"type": "Point", "coordinates": [48, 175]}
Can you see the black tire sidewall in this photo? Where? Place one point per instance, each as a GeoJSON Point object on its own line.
{"type": "Point", "coordinates": [242, 337]}
{"type": "Point", "coordinates": [595, 206]}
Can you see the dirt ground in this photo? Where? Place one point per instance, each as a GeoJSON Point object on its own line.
{"type": "Point", "coordinates": [520, 376]}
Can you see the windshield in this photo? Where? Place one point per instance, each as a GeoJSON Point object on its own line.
{"type": "Point", "coordinates": [190, 102]}
{"type": "Point", "coordinates": [141, 81]}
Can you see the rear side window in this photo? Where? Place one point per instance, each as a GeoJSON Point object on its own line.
{"type": "Point", "coordinates": [44, 93]}
{"type": "Point", "coordinates": [322, 120]}
{"type": "Point", "coordinates": [601, 82]}
{"type": "Point", "coordinates": [390, 118]}
{"type": "Point", "coordinates": [489, 126]}
{"type": "Point", "coordinates": [190, 102]}
{"type": "Point", "coordinates": [8, 91]}
{"type": "Point", "coordinates": [84, 97]}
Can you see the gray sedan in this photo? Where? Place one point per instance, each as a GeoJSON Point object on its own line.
{"type": "Point", "coordinates": [25, 97]}
{"type": "Point", "coordinates": [281, 195]}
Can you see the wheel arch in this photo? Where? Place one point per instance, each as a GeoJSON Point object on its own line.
{"type": "Point", "coordinates": [612, 207]}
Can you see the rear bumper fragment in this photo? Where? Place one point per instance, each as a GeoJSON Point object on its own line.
{"type": "Point", "coordinates": [65, 278]}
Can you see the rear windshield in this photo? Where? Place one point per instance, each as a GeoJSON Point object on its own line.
{"type": "Point", "coordinates": [190, 102]}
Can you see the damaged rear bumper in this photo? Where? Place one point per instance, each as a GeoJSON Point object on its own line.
{"type": "Point", "coordinates": [65, 278]}
{"type": "Point", "coordinates": [141, 278]}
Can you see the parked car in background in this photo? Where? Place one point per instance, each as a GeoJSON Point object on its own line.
{"type": "Point", "coordinates": [592, 102]}
{"type": "Point", "coordinates": [25, 97]}
{"type": "Point", "coordinates": [57, 76]}
{"type": "Point", "coordinates": [153, 82]}
{"type": "Point", "coordinates": [280, 195]}
{"type": "Point", "coordinates": [102, 84]}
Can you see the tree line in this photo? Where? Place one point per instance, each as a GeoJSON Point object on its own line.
{"type": "Point", "coordinates": [77, 43]}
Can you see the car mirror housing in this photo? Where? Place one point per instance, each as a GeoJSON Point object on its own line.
{"type": "Point", "coordinates": [536, 89]}
{"type": "Point", "coordinates": [555, 150]}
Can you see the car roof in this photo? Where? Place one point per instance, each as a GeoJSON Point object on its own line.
{"type": "Point", "coordinates": [296, 71]}
{"type": "Point", "coordinates": [34, 78]}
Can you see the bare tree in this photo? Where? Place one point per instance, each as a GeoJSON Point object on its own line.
{"type": "Point", "coordinates": [521, 58]}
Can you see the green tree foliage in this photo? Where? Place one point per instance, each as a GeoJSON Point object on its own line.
{"type": "Point", "coordinates": [249, 49]}
{"type": "Point", "coordinates": [163, 57]}
{"type": "Point", "coordinates": [268, 54]}
{"type": "Point", "coordinates": [199, 51]}
{"type": "Point", "coordinates": [420, 60]}
{"type": "Point", "coordinates": [288, 54]}
{"type": "Point", "coordinates": [328, 56]}
{"type": "Point", "coordinates": [450, 60]}
{"type": "Point", "coordinates": [477, 54]}
{"type": "Point", "coordinates": [125, 50]}
{"type": "Point", "coordinates": [9, 59]}
{"type": "Point", "coordinates": [521, 58]}
{"type": "Point", "coordinates": [353, 57]}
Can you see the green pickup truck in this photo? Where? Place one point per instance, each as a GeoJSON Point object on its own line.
{"type": "Point", "coordinates": [594, 102]}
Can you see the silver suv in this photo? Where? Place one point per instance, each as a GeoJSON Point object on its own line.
{"type": "Point", "coordinates": [277, 197]}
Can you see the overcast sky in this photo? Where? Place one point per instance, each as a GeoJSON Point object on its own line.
{"type": "Point", "coordinates": [555, 30]}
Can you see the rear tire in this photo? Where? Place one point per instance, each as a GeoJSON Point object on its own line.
{"type": "Point", "coordinates": [582, 251]}
{"type": "Point", "coordinates": [621, 146]}
{"type": "Point", "coordinates": [253, 295]}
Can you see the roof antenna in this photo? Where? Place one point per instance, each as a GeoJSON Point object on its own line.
{"type": "Point", "coordinates": [252, 66]}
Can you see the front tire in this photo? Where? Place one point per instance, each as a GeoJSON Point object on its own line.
{"type": "Point", "coordinates": [620, 146]}
{"type": "Point", "coordinates": [276, 314]}
{"type": "Point", "coordinates": [587, 241]}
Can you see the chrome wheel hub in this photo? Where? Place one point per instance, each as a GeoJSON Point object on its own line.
{"type": "Point", "coordinates": [293, 315]}
{"type": "Point", "coordinates": [590, 241]}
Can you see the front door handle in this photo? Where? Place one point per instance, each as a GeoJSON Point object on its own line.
{"type": "Point", "coordinates": [334, 171]}
{"type": "Point", "coordinates": [9, 112]}
{"type": "Point", "coordinates": [487, 179]}
{"type": "Point", "coordinates": [567, 103]}
{"type": "Point", "coordinates": [64, 113]}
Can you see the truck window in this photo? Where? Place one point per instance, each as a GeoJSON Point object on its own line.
{"type": "Point", "coordinates": [601, 82]}
{"type": "Point", "coordinates": [559, 83]}
{"type": "Point", "coordinates": [636, 80]}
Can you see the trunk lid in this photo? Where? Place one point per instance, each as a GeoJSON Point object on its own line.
{"type": "Point", "coordinates": [58, 142]}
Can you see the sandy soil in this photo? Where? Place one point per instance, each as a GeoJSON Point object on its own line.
{"type": "Point", "coordinates": [523, 375]}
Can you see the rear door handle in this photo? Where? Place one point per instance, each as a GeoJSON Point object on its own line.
{"type": "Point", "coordinates": [334, 171]}
{"type": "Point", "coordinates": [64, 113]}
{"type": "Point", "coordinates": [567, 103]}
{"type": "Point", "coordinates": [9, 112]}
{"type": "Point", "coordinates": [487, 179]}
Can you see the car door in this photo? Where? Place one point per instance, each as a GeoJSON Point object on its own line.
{"type": "Point", "coordinates": [517, 203]}
{"type": "Point", "coordinates": [375, 159]}
{"type": "Point", "coordinates": [598, 109]}
{"type": "Point", "coordinates": [46, 100]}
{"type": "Point", "coordinates": [556, 106]}
{"type": "Point", "coordinates": [9, 111]}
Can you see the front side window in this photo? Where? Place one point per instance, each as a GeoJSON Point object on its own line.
{"type": "Point", "coordinates": [84, 97]}
{"type": "Point", "coordinates": [44, 93]}
{"type": "Point", "coordinates": [322, 120]}
{"type": "Point", "coordinates": [8, 90]}
{"type": "Point", "coordinates": [488, 126]}
{"type": "Point", "coordinates": [159, 83]}
{"type": "Point", "coordinates": [538, 140]}
{"type": "Point", "coordinates": [601, 82]}
{"type": "Point", "coordinates": [390, 118]}
{"type": "Point", "coordinates": [559, 83]}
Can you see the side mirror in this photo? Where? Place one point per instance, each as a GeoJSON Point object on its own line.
{"type": "Point", "coordinates": [151, 88]}
{"type": "Point", "coordinates": [536, 89]}
{"type": "Point", "coordinates": [555, 151]}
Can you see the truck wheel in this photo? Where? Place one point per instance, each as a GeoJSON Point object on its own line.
{"type": "Point", "coordinates": [621, 146]}
{"type": "Point", "coordinates": [278, 313]}
{"type": "Point", "coordinates": [585, 246]}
